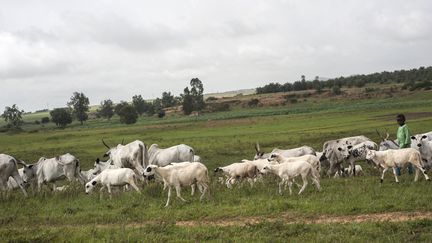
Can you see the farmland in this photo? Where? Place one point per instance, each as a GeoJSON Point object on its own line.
{"type": "Point", "coordinates": [222, 138]}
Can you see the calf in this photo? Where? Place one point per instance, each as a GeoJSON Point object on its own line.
{"type": "Point", "coordinates": [393, 158]}
{"type": "Point", "coordinates": [238, 171]}
{"type": "Point", "coordinates": [113, 177]}
{"type": "Point", "coordinates": [311, 159]}
{"type": "Point", "coordinates": [178, 176]}
{"type": "Point", "coordinates": [288, 171]}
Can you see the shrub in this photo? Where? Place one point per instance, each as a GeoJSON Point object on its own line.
{"type": "Point", "coordinates": [61, 117]}
{"type": "Point", "coordinates": [336, 90]}
{"type": "Point", "coordinates": [128, 114]}
{"type": "Point", "coordinates": [253, 103]}
{"type": "Point", "coordinates": [45, 120]}
{"type": "Point", "coordinates": [161, 113]}
{"type": "Point", "coordinates": [293, 101]}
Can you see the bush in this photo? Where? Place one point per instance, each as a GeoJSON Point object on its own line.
{"type": "Point", "coordinates": [336, 90]}
{"type": "Point", "coordinates": [253, 103]}
{"type": "Point", "coordinates": [161, 113]}
{"type": "Point", "coordinates": [290, 96]}
{"type": "Point", "coordinates": [128, 114]}
{"type": "Point", "coordinates": [293, 101]}
{"type": "Point", "coordinates": [61, 117]}
{"type": "Point", "coordinates": [45, 120]}
{"type": "Point", "coordinates": [37, 122]}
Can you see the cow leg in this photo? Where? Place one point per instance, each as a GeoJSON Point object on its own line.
{"type": "Point", "coordinates": [192, 189]}
{"type": "Point", "coordinates": [290, 186]}
{"type": "Point", "coordinates": [20, 183]}
{"type": "Point", "coordinates": [395, 174]}
{"type": "Point", "coordinates": [169, 196]}
{"type": "Point", "coordinates": [100, 192]}
{"type": "Point", "coordinates": [54, 187]}
{"type": "Point", "coordinates": [134, 186]}
{"type": "Point", "coordinates": [305, 183]}
{"type": "Point", "coordinates": [382, 176]}
{"type": "Point", "coordinates": [109, 190]}
{"type": "Point", "coordinates": [281, 183]}
{"type": "Point", "coordinates": [178, 192]}
{"type": "Point", "coordinates": [420, 168]}
{"type": "Point", "coordinates": [204, 190]}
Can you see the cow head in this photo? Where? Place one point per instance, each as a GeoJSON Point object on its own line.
{"type": "Point", "coordinates": [90, 186]}
{"type": "Point", "coordinates": [150, 171]}
{"type": "Point", "coordinates": [370, 154]}
{"type": "Point", "coordinates": [259, 154]}
{"type": "Point", "coordinates": [419, 140]}
{"type": "Point", "coordinates": [386, 143]}
{"type": "Point", "coordinates": [345, 151]}
{"type": "Point", "coordinates": [28, 173]}
{"type": "Point", "coordinates": [265, 170]}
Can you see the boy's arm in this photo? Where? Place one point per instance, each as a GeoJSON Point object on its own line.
{"type": "Point", "coordinates": [406, 138]}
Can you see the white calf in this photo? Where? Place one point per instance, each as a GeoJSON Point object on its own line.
{"type": "Point", "coordinates": [311, 159]}
{"type": "Point", "coordinates": [288, 171]}
{"type": "Point", "coordinates": [394, 158]}
{"type": "Point", "coordinates": [238, 171]}
{"type": "Point", "coordinates": [113, 177]}
{"type": "Point", "coordinates": [178, 176]}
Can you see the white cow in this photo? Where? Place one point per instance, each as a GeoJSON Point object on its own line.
{"type": "Point", "coordinates": [177, 153]}
{"type": "Point", "coordinates": [9, 168]}
{"type": "Point", "coordinates": [51, 170]}
{"type": "Point", "coordinates": [179, 176]}
{"type": "Point", "coordinates": [288, 171]}
{"type": "Point", "coordinates": [113, 177]}
{"type": "Point", "coordinates": [424, 146]}
{"type": "Point", "coordinates": [356, 153]}
{"type": "Point", "coordinates": [394, 158]}
{"type": "Point", "coordinates": [295, 152]}
{"type": "Point", "coordinates": [133, 155]}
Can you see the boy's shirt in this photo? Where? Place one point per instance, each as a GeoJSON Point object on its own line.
{"type": "Point", "coordinates": [403, 137]}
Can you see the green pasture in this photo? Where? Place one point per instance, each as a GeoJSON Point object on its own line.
{"type": "Point", "coordinates": [220, 139]}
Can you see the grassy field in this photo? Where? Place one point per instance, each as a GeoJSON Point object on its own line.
{"type": "Point", "coordinates": [220, 139]}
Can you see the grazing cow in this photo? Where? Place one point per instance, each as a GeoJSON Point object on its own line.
{"type": "Point", "coordinates": [177, 153]}
{"type": "Point", "coordinates": [9, 168]}
{"type": "Point", "coordinates": [51, 170]}
{"type": "Point", "coordinates": [288, 171]}
{"type": "Point", "coordinates": [179, 176]}
{"type": "Point", "coordinates": [133, 155]}
{"type": "Point", "coordinates": [295, 152]}
{"type": "Point", "coordinates": [87, 175]}
{"type": "Point", "coordinates": [422, 143]}
{"type": "Point", "coordinates": [394, 158]}
{"type": "Point", "coordinates": [332, 151]}
{"type": "Point", "coordinates": [113, 177]}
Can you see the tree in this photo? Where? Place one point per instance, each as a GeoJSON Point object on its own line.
{"type": "Point", "coordinates": [45, 120]}
{"type": "Point", "coordinates": [119, 106]}
{"type": "Point", "coordinates": [13, 116]}
{"type": "Point", "coordinates": [106, 109]}
{"type": "Point", "coordinates": [61, 117]}
{"type": "Point", "coordinates": [80, 105]}
{"type": "Point", "coordinates": [187, 102]}
{"type": "Point", "coordinates": [128, 114]}
{"type": "Point", "coordinates": [197, 94]}
{"type": "Point", "coordinates": [139, 104]}
{"type": "Point", "coordinates": [168, 100]}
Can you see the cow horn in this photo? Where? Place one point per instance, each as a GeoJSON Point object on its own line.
{"type": "Point", "coordinates": [105, 144]}
{"type": "Point", "coordinates": [257, 147]}
{"type": "Point", "coordinates": [387, 134]}
{"type": "Point", "coordinates": [122, 143]}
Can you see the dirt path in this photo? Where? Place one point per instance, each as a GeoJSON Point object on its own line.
{"type": "Point", "coordinates": [321, 219]}
{"type": "Point", "coordinates": [243, 221]}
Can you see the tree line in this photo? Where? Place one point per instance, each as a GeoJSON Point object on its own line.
{"type": "Point", "coordinates": [412, 79]}
{"type": "Point", "coordinates": [78, 108]}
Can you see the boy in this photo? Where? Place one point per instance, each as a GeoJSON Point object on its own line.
{"type": "Point", "coordinates": [403, 139]}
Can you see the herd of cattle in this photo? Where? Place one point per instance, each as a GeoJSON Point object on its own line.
{"type": "Point", "coordinates": [178, 166]}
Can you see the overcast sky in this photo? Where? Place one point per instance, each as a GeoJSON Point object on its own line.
{"type": "Point", "coordinates": [116, 49]}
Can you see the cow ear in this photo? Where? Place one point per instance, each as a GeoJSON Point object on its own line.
{"type": "Point", "coordinates": [94, 183]}
{"type": "Point", "coordinates": [340, 149]}
{"type": "Point", "coordinates": [424, 136]}
{"type": "Point", "coordinates": [349, 146]}
{"type": "Point", "coordinates": [97, 160]}
{"type": "Point", "coordinates": [30, 166]}
{"type": "Point", "coordinates": [57, 157]}
{"type": "Point", "coordinates": [412, 137]}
